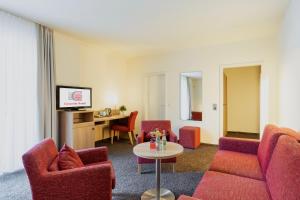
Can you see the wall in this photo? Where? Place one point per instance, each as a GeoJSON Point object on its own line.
{"type": "Point", "coordinates": [81, 63]}
{"type": "Point", "coordinates": [290, 68]}
{"type": "Point", "coordinates": [210, 61]}
{"type": "Point", "coordinates": [243, 85]}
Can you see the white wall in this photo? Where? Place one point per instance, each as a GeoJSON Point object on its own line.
{"type": "Point", "coordinates": [243, 89]}
{"type": "Point", "coordinates": [290, 68]}
{"type": "Point", "coordinates": [85, 64]}
{"type": "Point", "coordinates": [209, 60]}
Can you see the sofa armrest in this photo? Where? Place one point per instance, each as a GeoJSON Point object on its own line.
{"type": "Point", "coordinates": [173, 137]}
{"type": "Point", "coordinates": [93, 155]}
{"type": "Point", "coordinates": [140, 138]}
{"type": "Point", "coordinates": [184, 197]}
{"type": "Point", "coordinates": [94, 179]}
{"type": "Point", "coordinates": [239, 145]}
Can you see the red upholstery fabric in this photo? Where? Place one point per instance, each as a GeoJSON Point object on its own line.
{"type": "Point", "coordinates": [221, 186]}
{"type": "Point", "coordinates": [237, 163]}
{"type": "Point", "coordinates": [54, 165]}
{"type": "Point", "coordinates": [150, 125]}
{"type": "Point", "coordinates": [267, 144]}
{"type": "Point", "coordinates": [127, 127]}
{"type": "Point", "coordinates": [89, 182]}
{"type": "Point", "coordinates": [93, 155]}
{"type": "Point", "coordinates": [184, 197]}
{"type": "Point", "coordinates": [283, 173]}
{"type": "Point", "coordinates": [239, 145]}
{"type": "Point", "coordinates": [113, 174]}
{"type": "Point", "coordinates": [189, 136]}
{"type": "Point", "coordinates": [68, 158]}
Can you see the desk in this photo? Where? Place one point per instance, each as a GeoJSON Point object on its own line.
{"type": "Point", "coordinates": [80, 129]}
{"type": "Point", "coordinates": [102, 125]}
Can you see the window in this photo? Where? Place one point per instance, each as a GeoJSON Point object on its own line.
{"type": "Point", "coordinates": [18, 90]}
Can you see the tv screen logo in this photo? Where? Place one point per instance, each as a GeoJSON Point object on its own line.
{"type": "Point", "coordinates": [75, 96]}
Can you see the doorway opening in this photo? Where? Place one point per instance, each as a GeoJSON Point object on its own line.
{"type": "Point", "coordinates": [156, 97]}
{"type": "Point", "coordinates": [241, 102]}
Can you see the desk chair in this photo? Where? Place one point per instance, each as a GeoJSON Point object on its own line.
{"type": "Point", "coordinates": [124, 125]}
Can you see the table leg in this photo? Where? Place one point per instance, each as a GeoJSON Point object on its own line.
{"type": "Point", "coordinates": [158, 165]}
{"type": "Point", "coordinates": [158, 193]}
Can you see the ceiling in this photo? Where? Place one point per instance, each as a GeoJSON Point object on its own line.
{"type": "Point", "coordinates": [139, 26]}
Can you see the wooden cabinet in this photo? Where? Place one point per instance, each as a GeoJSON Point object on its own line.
{"type": "Point", "coordinates": [77, 129]}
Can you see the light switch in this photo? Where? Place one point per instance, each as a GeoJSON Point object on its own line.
{"type": "Point", "coordinates": [214, 106]}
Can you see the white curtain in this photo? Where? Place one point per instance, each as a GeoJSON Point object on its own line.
{"type": "Point", "coordinates": [18, 90]}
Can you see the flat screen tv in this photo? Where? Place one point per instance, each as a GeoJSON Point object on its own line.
{"type": "Point", "coordinates": [73, 98]}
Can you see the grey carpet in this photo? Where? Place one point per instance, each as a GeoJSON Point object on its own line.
{"type": "Point", "coordinates": [130, 185]}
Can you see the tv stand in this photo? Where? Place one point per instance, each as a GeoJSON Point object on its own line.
{"type": "Point", "coordinates": [80, 129]}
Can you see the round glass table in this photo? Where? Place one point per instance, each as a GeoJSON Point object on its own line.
{"type": "Point", "coordinates": [172, 150]}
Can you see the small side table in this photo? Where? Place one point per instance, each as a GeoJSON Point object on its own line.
{"type": "Point", "coordinates": [172, 150]}
{"type": "Point", "coordinates": [189, 136]}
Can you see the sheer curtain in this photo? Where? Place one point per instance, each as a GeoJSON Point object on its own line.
{"type": "Point", "coordinates": [18, 87]}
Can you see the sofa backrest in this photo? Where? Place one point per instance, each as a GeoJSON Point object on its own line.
{"type": "Point", "coordinates": [283, 174]}
{"type": "Point", "coordinates": [268, 143]}
{"type": "Point", "coordinates": [151, 125]}
{"type": "Point", "coordinates": [37, 160]}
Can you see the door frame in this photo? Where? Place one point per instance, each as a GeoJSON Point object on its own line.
{"type": "Point", "coordinates": [146, 92]}
{"type": "Point", "coordinates": [263, 98]}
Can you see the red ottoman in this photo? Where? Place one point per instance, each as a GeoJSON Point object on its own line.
{"type": "Point", "coordinates": [189, 136]}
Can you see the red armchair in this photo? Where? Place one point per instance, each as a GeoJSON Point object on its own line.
{"type": "Point", "coordinates": [148, 126]}
{"type": "Point", "coordinates": [94, 181]}
{"type": "Point", "coordinates": [124, 125]}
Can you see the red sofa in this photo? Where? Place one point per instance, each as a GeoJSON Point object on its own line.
{"type": "Point", "coordinates": [94, 181]}
{"type": "Point", "coordinates": [252, 170]}
{"type": "Point", "coordinates": [150, 125]}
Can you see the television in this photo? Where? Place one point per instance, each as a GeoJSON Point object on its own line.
{"type": "Point", "coordinates": [73, 98]}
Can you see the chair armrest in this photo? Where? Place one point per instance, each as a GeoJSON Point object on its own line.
{"type": "Point", "coordinates": [75, 183]}
{"type": "Point", "coordinates": [140, 137]}
{"type": "Point", "coordinates": [173, 137]}
{"type": "Point", "coordinates": [239, 145]}
{"type": "Point", "coordinates": [93, 155]}
{"type": "Point", "coordinates": [184, 197]}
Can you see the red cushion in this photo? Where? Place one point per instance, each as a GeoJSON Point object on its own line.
{"type": "Point", "coordinates": [54, 165]}
{"type": "Point", "coordinates": [68, 158]}
{"type": "Point", "coordinates": [283, 174]}
{"type": "Point", "coordinates": [267, 145]}
{"type": "Point", "coordinates": [120, 128]}
{"type": "Point", "coordinates": [221, 186]}
{"type": "Point", "coordinates": [237, 163]}
{"type": "Point", "coordinates": [113, 175]}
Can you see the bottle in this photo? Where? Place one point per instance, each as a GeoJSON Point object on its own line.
{"type": "Point", "coordinates": [164, 140]}
{"type": "Point", "coordinates": [157, 143]}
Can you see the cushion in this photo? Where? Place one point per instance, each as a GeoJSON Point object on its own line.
{"type": "Point", "coordinates": [120, 128]}
{"type": "Point", "coordinates": [241, 164]}
{"type": "Point", "coordinates": [113, 175]}
{"type": "Point", "coordinates": [283, 174]}
{"type": "Point", "coordinates": [68, 158]}
{"type": "Point", "coordinates": [54, 165]}
{"type": "Point", "coordinates": [217, 186]}
{"type": "Point", "coordinates": [267, 145]}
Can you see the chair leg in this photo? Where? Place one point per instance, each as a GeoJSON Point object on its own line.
{"type": "Point", "coordinates": [139, 168]}
{"type": "Point", "coordinates": [118, 135]}
{"type": "Point", "coordinates": [112, 134]}
{"type": "Point", "coordinates": [173, 167]}
{"type": "Point", "coordinates": [130, 137]}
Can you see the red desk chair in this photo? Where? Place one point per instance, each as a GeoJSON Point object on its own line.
{"type": "Point", "coordinates": [124, 125]}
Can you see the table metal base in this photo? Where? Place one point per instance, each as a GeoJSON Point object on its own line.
{"type": "Point", "coordinates": [165, 194]}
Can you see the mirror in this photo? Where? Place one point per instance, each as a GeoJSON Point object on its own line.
{"type": "Point", "coordinates": [191, 96]}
